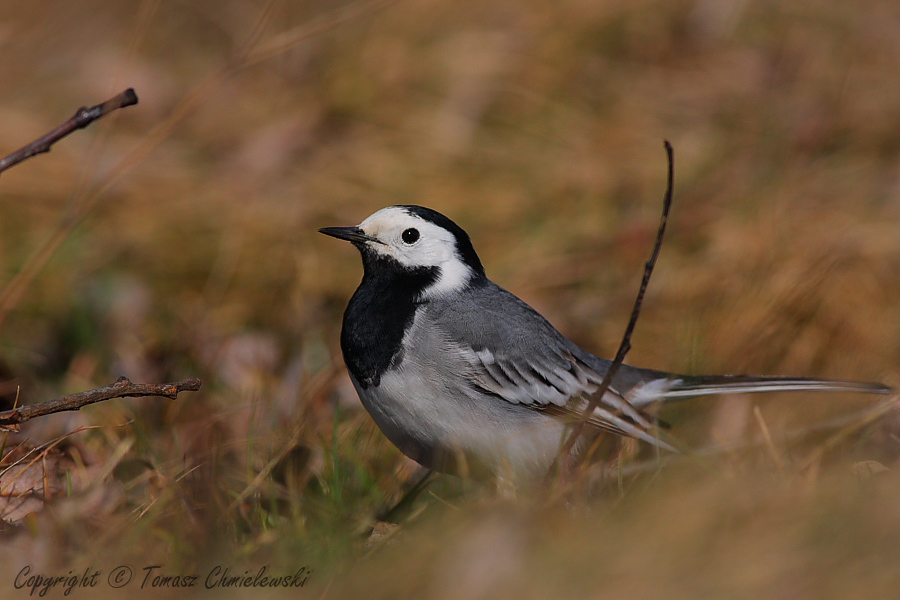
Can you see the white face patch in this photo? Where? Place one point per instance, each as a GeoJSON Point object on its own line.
{"type": "Point", "coordinates": [434, 246]}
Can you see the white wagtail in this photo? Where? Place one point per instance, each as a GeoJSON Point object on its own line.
{"type": "Point", "coordinates": [450, 365]}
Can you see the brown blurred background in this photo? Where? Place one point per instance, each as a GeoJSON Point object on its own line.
{"type": "Point", "coordinates": [178, 238]}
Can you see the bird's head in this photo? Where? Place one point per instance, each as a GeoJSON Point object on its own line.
{"type": "Point", "coordinates": [415, 239]}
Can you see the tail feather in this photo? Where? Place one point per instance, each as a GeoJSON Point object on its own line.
{"type": "Point", "coordinates": [603, 419]}
{"type": "Point", "coordinates": [688, 386]}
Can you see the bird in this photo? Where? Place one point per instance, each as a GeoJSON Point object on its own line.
{"type": "Point", "coordinates": [463, 376]}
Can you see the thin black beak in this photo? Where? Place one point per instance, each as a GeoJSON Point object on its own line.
{"type": "Point", "coordinates": [351, 234]}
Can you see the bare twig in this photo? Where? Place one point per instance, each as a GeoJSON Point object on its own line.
{"type": "Point", "coordinates": [251, 52]}
{"type": "Point", "coordinates": [14, 290]}
{"type": "Point", "coordinates": [81, 119]}
{"type": "Point", "coordinates": [625, 346]}
{"type": "Point", "coordinates": [121, 388]}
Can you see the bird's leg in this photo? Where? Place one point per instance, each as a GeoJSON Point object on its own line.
{"type": "Point", "coordinates": [398, 511]}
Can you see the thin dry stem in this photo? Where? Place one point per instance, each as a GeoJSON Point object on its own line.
{"type": "Point", "coordinates": [625, 346]}
{"type": "Point", "coordinates": [767, 436]}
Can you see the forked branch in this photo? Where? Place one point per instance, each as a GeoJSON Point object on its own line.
{"type": "Point", "coordinates": [121, 388]}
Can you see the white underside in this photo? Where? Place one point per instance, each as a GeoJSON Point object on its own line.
{"type": "Point", "coordinates": [511, 440]}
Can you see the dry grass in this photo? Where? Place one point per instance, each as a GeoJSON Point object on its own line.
{"type": "Point", "coordinates": [537, 126]}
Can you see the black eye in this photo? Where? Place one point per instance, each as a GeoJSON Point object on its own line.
{"type": "Point", "coordinates": [410, 236]}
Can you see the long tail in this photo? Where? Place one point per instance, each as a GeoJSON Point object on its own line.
{"type": "Point", "coordinates": [679, 387]}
